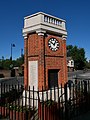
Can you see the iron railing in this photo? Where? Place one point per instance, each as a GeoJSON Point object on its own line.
{"type": "Point", "coordinates": [59, 103]}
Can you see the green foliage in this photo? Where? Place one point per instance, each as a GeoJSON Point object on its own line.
{"type": "Point", "coordinates": [88, 64]}
{"type": "Point", "coordinates": [21, 108]}
{"type": "Point", "coordinates": [20, 61]}
{"type": "Point", "coordinates": [49, 103]}
{"type": "Point", "coordinates": [10, 96]}
{"type": "Point", "coordinates": [9, 64]}
{"type": "Point", "coordinates": [78, 55]}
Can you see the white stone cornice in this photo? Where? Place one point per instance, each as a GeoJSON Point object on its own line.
{"type": "Point", "coordinates": [25, 36]}
{"type": "Point", "coordinates": [40, 32]}
{"type": "Point", "coordinates": [64, 37]}
{"type": "Point", "coordinates": [41, 21]}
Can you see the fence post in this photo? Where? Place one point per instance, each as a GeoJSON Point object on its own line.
{"type": "Point", "coordinates": [85, 95]}
{"type": "Point", "coordinates": [42, 104]}
{"type": "Point", "coordinates": [85, 88]}
{"type": "Point", "coordinates": [1, 98]}
{"type": "Point", "coordinates": [66, 107]}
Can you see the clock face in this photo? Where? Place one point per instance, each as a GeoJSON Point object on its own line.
{"type": "Point", "coordinates": [53, 44]}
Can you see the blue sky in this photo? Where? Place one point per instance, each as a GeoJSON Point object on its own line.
{"type": "Point", "coordinates": [12, 13]}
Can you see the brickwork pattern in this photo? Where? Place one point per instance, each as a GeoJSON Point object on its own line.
{"type": "Point", "coordinates": [37, 47]}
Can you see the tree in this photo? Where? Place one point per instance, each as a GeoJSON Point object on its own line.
{"type": "Point", "coordinates": [9, 64]}
{"type": "Point", "coordinates": [19, 61]}
{"type": "Point", "coordinates": [69, 50]}
{"type": "Point", "coordinates": [88, 64]}
{"type": "Point", "coordinates": [78, 55]}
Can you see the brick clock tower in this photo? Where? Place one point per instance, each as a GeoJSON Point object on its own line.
{"type": "Point", "coordinates": [45, 51]}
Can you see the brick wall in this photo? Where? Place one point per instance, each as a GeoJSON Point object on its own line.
{"type": "Point", "coordinates": [36, 48]}
{"type": "Point", "coordinates": [6, 73]}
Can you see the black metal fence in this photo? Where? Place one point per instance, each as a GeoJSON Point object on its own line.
{"type": "Point", "coordinates": [59, 103]}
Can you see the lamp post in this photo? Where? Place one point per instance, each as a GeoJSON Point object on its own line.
{"type": "Point", "coordinates": [12, 45]}
{"type": "Point", "coordinates": [21, 52]}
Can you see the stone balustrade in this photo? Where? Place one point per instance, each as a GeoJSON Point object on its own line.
{"type": "Point", "coordinates": [52, 20]}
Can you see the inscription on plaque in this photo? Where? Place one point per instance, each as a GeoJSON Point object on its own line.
{"type": "Point", "coordinates": [33, 74]}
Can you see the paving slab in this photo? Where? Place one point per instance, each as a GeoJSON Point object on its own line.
{"type": "Point", "coordinates": [85, 116]}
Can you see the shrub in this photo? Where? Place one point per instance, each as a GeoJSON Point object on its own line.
{"type": "Point", "coordinates": [10, 96]}
{"type": "Point", "coordinates": [1, 76]}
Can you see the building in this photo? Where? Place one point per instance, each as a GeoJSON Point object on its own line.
{"type": "Point", "coordinates": [45, 51]}
{"type": "Point", "coordinates": [70, 64]}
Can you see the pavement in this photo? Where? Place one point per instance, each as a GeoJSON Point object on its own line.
{"type": "Point", "coordinates": [80, 75]}
{"type": "Point", "coordinates": [85, 116]}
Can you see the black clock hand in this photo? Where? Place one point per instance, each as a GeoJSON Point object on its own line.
{"type": "Point", "coordinates": [53, 43]}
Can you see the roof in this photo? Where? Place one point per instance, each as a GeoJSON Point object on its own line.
{"type": "Point", "coordinates": [69, 58]}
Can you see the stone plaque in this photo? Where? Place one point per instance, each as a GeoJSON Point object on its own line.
{"type": "Point", "coordinates": [33, 74]}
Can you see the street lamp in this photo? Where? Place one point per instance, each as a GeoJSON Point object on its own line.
{"type": "Point", "coordinates": [21, 52]}
{"type": "Point", "coordinates": [12, 45]}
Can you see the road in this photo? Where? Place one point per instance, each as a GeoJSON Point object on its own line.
{"type": "Point", "coordinates": [10, 82]}
{"type": "Point", "coordinates": [80, 74]}
{"type": "Point", "coordinates": [85, 116]}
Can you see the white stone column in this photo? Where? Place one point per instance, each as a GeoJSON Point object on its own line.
{"type": "Point", "coordinates": [25, 60]}
{"type": "Point", "coordinates": [40, 32]}
{"type": "Point", "coordinates": [64, 37]}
